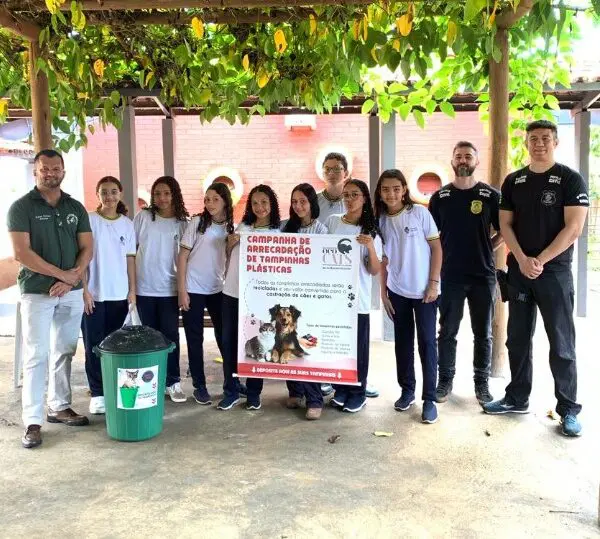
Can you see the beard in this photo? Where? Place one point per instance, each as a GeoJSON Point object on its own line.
{"type": "Point", "coordinates": [52, 182]}
{"type": "Point", "coordinates": [463, 171]}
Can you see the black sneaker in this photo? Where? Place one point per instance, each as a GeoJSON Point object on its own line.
{"type": "Point", "coordinates": [406, 400]}
{"type": "Point", "coordinates": [339, 399]}
{"type": "Point", "coordinates": [443, 390]}
{"type": "Point", "coordinates": [201, 396]}
{"type": "Point", "coordinates": [482, 392]}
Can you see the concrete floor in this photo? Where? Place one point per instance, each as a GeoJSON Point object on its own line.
{"type": "Point", "coordinates": [272, 474]}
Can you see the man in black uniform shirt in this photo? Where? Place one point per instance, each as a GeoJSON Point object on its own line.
{"type": "Point", "coordinates": [465, 211]}
{"type": "Point", "coordinates": [542, 212]}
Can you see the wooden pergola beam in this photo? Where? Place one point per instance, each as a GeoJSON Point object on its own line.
{"type": "Point", "coordinates": [121, 5]}
{"type": "Point", "coordinates": [21, 27]}
{"type": "Point", "coordinates": [180, 18]}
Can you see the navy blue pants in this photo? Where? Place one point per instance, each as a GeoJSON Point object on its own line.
{"type": "Point", "coordinates": [310, 390]}
{"type": "Point", "coordinates": [408, 314]}
{"type": "Point", "coordinates": [107, 317]}
{"type": "Point", "coordinates": [193, 324]}
{"type": "Point", "coordinates": [229, 346]}
{"type": "Point", "coordinates": [480, 298]}
{"type": "Point", "coordinates": [162, 314]}
{"type": "Point", "coordinates": [363, 336]}
{"type": "Point", "coordinates": [553, 293]}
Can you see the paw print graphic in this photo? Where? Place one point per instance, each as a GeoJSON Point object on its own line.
{"type": "Point", "coordinates": [252, 320]}
{"type": "Point", "coordinates": [349, 287]}
{"type": "Point", "coordinates": [350, 305]}
{"type": "Point", "coordinates": [351, 296]}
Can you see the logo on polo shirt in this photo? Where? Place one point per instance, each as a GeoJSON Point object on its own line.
{"type": "Point", "coordinates": [72, 219]}
{"type": "Point", "coordinates": [520, 179]}
{"type": "Point", "coordinates": [583, 199]}
{"type": "Point", "coordinates": [548, 198]}
{"type": "Point", "coordinates": [485, 193]}
{"type": "Point", "coordinates": [476, 207]}
{"type": "Point", "coordinates": [554, 179]}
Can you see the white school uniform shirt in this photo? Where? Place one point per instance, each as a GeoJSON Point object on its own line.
{"type": "Point", "coordinates": [156, 260]}
{"type": "Point", "coordinates": [114, 241]}
{"type": "Point", "coordinates": [328, 208]}
{"type": "Point", "coordinates": [337, 225]}
{"type": "Point", "coordinates": [407, 235]}
{"type": "Point", "coordinates": [316, 227]}
{"type": "Point", "coordinates": [206, 263]}
{"type": "Point", "coordinates": [232, 277]}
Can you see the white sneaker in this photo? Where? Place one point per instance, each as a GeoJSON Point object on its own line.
{"type": "Point", "coordinates": [97, 405]}
{"type": "Point", "coordinates": [175, 392]}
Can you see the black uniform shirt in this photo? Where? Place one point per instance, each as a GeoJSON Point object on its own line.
{"type": "Point", "coordinates": [537, 201]}
{"type": "Point", "coordinates": [463, 217]}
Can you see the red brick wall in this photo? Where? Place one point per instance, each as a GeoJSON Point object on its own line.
{"type": "Point", "coordinates": [266, 152]}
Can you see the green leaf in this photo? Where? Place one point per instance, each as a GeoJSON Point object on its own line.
{"type": "Point", "coordinates": [552, 102]}
{"type": "Point", "coordinates": [447, 109]}
{"type": "Point", "coordinates": [396, 88]}
{"type": "Point", "coordinates": [115, 97]}
{"type": "Point", "coordinates": [419, 118]}
{"type": "Point", "coordinates": [367, 106]}
{"type": "Point", "coordinates": [472, 9]}
{"type": "Point", "coordinates": [431, 106]}
{"type": "Point", "coordinates": [404, 111]}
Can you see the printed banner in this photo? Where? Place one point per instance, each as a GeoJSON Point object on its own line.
{"type": "Point", "coordinates": [137, 388]}
{"type": "Point", "coordinates": [298, 307]}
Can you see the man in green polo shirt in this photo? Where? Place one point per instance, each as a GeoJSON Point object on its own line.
{"type": "Point", "coordinates": [52, 241]}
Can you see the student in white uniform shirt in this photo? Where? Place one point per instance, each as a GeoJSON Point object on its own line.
{"type": "Point", "coordinates": [109, 283]}
{"type": "Point", "coordinates": [260, 217]}
{"type": "Point", "coordinates": [410, 284]}
{"type": "Point", "coordinates": [158, 230]}
{"type": "Point", "coordinates": [359, 220]}
{"type": "Point", "coordinates": [335, 173]}
{"type": "Point", "coordinates": [200, 274]}
{"type": "Point", "coordinates": [304, 213]}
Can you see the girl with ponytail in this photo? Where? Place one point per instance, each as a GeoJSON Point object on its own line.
{"type": "Point", "coordinates": [109, 283]}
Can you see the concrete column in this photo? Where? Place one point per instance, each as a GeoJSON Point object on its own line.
{"type": "Point", "coordinates": [168, 141]}
{"type": "Point", "coordinates": [388, 160]}
{"type": "Point", "coordinates": [582, 158]}
{"type": "Point", "coordinates": [127, 159]}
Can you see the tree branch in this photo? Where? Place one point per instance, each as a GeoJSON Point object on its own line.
{"type": "Point", "coordinates": [509, 18]}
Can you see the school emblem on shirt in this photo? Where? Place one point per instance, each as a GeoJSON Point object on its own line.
{"type": "Point", "coordinates": [72, 219]}
{"type": "Point", "coordinates": [476, 207]}
{"type": "Point", "coordinates": [548, 198]}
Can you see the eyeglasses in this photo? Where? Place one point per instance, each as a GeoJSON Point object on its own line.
{"type": "Point", "coordinates": [351, 196]}
{"type": "Point", "coordinates": [333, 170]}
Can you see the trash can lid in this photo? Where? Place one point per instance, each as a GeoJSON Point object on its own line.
{"type": "Point", "coordinates": [134, 340]}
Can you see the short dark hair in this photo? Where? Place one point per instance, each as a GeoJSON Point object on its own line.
{"type": "Point", "coordinates": [338, 157]}
{"type": "Point", "coordinates": [48, 153]}
{"type": "Point", "coordinates": [464, 144]}
{"type": "Point", "coordinates": [542, 124]}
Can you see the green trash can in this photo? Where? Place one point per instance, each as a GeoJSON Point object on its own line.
{"type": "Point", "coordinates": [134, 371]}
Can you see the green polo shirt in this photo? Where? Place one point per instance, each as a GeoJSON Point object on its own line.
{"type": "Point", "coordinates": [52, 235]}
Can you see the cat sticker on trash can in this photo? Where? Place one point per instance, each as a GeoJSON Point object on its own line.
{"type": "Point", "coordinates": [137, 388]}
